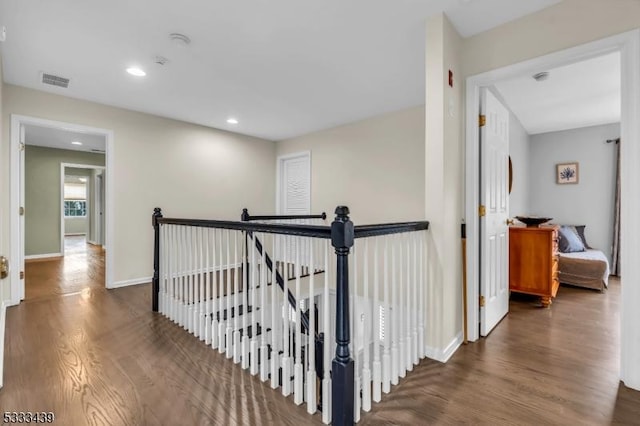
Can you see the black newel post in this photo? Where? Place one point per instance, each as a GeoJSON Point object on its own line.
{"type": "Point", "coordinates": [155, 283]}
{"type": "Point", "coordinates": [342, 237]}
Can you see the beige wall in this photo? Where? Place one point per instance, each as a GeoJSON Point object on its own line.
{"type": "Point", "coordinates": [564, 25]}
{"type": "Point", "coordinates": [374, 166]}
{"type": "Point", "coordinates": [42, 195]}
{"type": "Point", "coordinates": [444, 179]}
{"type": "Point", "coordinates": [188, 170]}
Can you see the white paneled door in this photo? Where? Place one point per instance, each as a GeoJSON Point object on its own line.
{"type": "Point", "coordinates": [494, 200]}
{"type": "Point", "coordinates": [294, 184]}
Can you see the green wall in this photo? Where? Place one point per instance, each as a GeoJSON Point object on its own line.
{"type": "Point", "coordinates": [42, 195]}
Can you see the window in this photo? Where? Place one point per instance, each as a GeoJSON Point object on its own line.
{"type": "Point", "coordinates": [75, 208]}
{"type": "Point", "coordinates": [75, 197]}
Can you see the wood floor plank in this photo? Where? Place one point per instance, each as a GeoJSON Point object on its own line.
{"type": "Point", "coordinates": [101, 357]}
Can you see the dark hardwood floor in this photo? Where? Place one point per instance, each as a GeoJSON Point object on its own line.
{"type": "Point", "coordinates": [101, 357]}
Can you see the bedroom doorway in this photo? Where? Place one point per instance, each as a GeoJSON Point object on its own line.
{"type": "Point", "coordinates": [628, 46]}
{"type": "Point", "coordinates": [38, 228]}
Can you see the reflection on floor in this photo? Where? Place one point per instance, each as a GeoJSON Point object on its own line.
{"type": "Point", "coordinates": [82, 267]}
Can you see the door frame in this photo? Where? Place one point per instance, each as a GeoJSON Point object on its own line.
{"type": "Point", "coordinates": [628, 44]}
{"type": "Point", "coordinates": [17, 175]}
{"type": "Point", "coordinates": [91, 191]}
{"type": "Point", "coordinates": [279, 168]}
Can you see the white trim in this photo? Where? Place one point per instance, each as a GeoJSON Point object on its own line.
{"type": "Point", "coordinates": [279, 162]}
{"type": "Point", "coordinates": [42, 256]}
{"type": "Point", "coordinates": [443, 355]}
{"type": "Point", "coordinates": [3, 324]}
{"type": "Point", "coordinates": [15, 283]}
{"type": "Point", "coordinates": [135, 281]}
{"type": "Point", "coordinates": [628, 44]}
{"type": "Point", "coordinates": [63, 173]}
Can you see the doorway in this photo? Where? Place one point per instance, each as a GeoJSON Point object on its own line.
{"type": "Point", "coordinates": [60, 133]}
{"type": "Point", "coordinates": [628, 44]}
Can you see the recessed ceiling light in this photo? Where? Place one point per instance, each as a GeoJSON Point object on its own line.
{"type": "Point", "coordinates": [232, 121]}
{"type": "Point", "coordinates": [83, 180]}
{"type": "Point", "coordinates": [76, 143]}
{"type": "Point", "coordinates": [138, 72]}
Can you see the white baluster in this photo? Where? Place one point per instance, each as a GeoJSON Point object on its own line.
{"type": "Point", "coordinates": [376, 393]}
{"type": "Point", "coordinates": [264, 355]}
{"type": "Point", "coordinates": [407, 308]}
{"type": "Point", "coordinates": [253, 316]}
{"type": "Point", "coordinates": [402, 366]}
{"type": "Point", "coordinates": [231, 269]}
{"type": "Point", "coordinates": [245, 304]}
{"type": "Point", "coordinates": [276, 315]}
{"type": "Point", "coordinates": [366, 334]}
{"type": "Point", "coordinates": [236, 302]}
{"type": "Point", "coordinates": [312, 402]}
{"type": "Point", "coordinates": [394, 314]}
{"type": "Point", "coordinates": [183, 273]}
{"type": "Point", "coordinates": [286, 357]}
{"type": "Point", "coordinates": [298, 389]}
{"type": "Point", "coordinates": [353, 325]}
{"type": "Point", "coordinates": [421, 302]}
{"type": "Point", "coordinates": [162, 268]}
{"type": "Point", "coordinates": [174, 273]}
{"type": "Point", "coordinates": [216, 269]}
{"type": "Point", "coordinates": [386, 356]}
{"type": "Point", "coordinates": [326, 373]}
{"type": "Point", "coordinates": [191, 278]}
{"type": "Point", "coordinates": [414, 299]}
{"type": "Point", "coordinates": [207, 285]}
{"type": "Point", "coordinates": [224, 272]}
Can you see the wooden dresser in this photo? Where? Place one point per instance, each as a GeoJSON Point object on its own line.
{"type": "Point", "coordinates": [533, 261]}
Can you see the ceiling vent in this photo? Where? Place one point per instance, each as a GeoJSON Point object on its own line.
{"type": "Point", "coordinates": [54, 80]}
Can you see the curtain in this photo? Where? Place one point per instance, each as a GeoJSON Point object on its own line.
{"type": "Point", "coordinates": [615, 247]}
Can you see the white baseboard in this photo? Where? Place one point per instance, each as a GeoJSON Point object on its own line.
{"type": "Point", "coordinates": [146, 280]}
{"type": "Point", "coordinates": [42, 256]}
{"type": "Point", "coordinates": [3, 324]}
{"type": "Point", "coordinates": [127, 283]}
{"type": "Point", "coordinates": [443, 355]}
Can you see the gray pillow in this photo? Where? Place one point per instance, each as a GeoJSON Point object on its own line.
{"type": "Point", "coordinates": [568, 240]}
{"type": "Point", "coordinates": [580, 230]}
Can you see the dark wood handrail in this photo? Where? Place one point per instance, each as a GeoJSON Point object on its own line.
{"type": "Point", "coordinates": [362, 231]}
{"type": "Point", "coordinates": [246, 217]}
{"type": "Point", "coordinates": [314, 231]}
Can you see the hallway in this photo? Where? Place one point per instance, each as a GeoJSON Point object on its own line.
{"type": "Point", "coordinates": [101, 356]}
{"type": "Point", "coordinates": [82, 267]}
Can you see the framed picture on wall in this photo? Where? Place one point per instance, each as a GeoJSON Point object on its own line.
{"type": "Point", "coordinates": [567, 173]}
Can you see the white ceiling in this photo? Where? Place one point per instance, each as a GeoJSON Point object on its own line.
{"type": "Point", "coordinates": [281, 67]}
{"type": "Point", "coordinates": [578, 95]}
{"type": "Point", "coordinates": [61, 139]}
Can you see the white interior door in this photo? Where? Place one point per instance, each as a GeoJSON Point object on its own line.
{"type": "Point", "coordinates": [294, 184]}
{"type": "Point", "coordinates": [494, 196]}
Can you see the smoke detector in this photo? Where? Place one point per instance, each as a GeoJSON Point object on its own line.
{"type": "Point", "coordinates": [541, 76]}
{"type": "Point", "coordinates": [179, 40]}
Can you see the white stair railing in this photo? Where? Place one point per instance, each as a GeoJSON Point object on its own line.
{"type": "Point", "coordinates": [247, 295]}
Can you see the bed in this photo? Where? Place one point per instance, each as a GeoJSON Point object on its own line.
{"type": "Point", "coordinates": [580, 265]}
{"type": "Point", "coordinates": [589, 269]}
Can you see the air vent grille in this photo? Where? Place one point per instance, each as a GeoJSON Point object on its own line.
{"type": "Point", "coordinates": [97, 150]}
{"type": "Point", "coordinates": [55, 80]}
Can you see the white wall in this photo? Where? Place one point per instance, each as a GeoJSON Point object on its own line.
{"type": "Point", "coordinates": [374, 166]}
{"type": "Point", "coordinates": [591, 201]}
{"type": "Point", "coordinates": [188, 170]}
